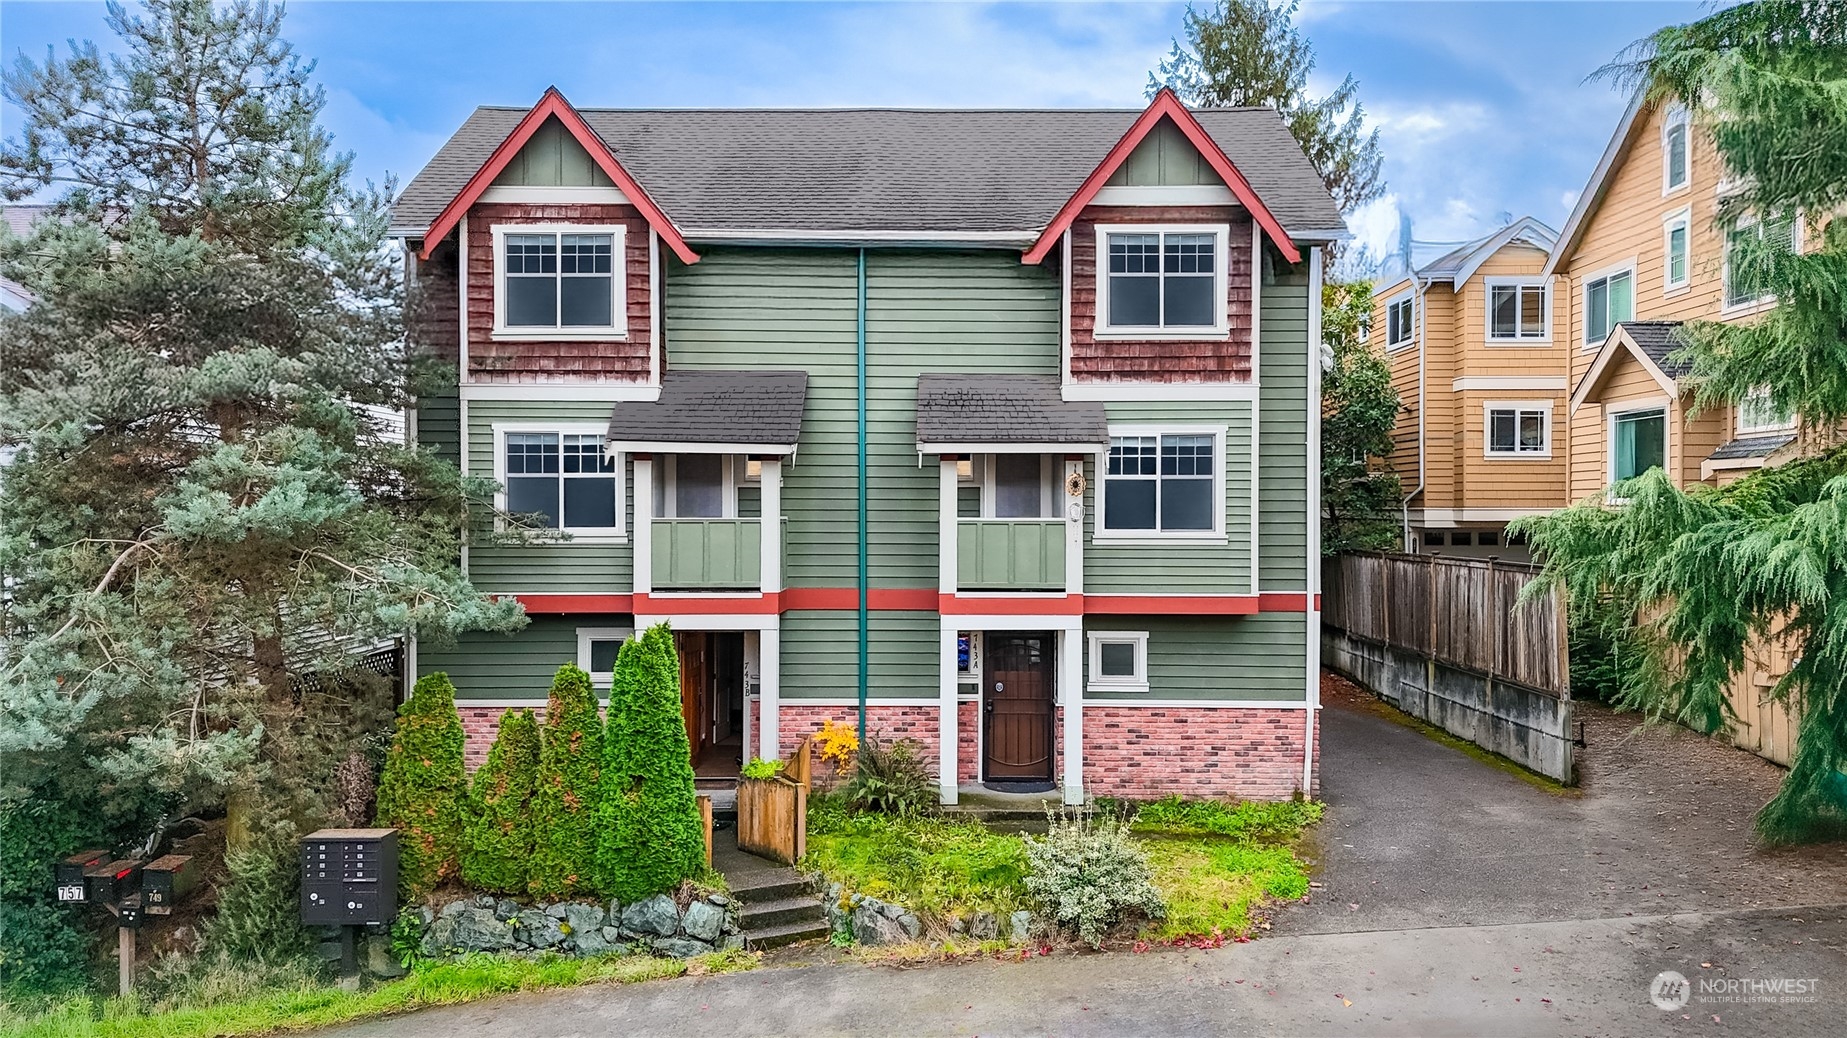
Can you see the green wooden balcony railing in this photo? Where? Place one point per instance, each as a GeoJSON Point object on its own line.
{"type": "Point", "coordinates": [1010, 554]}
{"type": "Point", "coordinates": [695, 554]}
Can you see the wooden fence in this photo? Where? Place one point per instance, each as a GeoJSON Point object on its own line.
{"type": "Point", "coordinates": [773, 812]}
{"type": "Point", "coordinates": [1464, 612]}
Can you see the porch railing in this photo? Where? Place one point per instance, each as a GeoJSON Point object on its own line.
{"type": "Point", "coordinates": [699, 554]}
{"type": "Point", "coordinates": [1010, 554]}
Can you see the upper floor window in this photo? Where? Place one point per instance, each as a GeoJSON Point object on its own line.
{"type": "Point", "coordinates": [1398, 329]}
{"type": "Point", "coordinates": [1677, 250]}
{"type": "Point", "coordinates": [1161, 482]}
{"type": "Point", "coordinates": [1676, 150]}
{"type": "Point", "coordinates": [560, 479]}
{"type": "Point", "coordinates": [1166, 282]}
{"type": "Point", "coordinates": [1609, 300]}
{"type": "Point", "coordinates": [1638, 442]}
{"type": "Point", "coordinates": [559, 281]}
{"type": "Point", "coordinates": [1743, 286]}
{"type": "Point", "coordinates": [1519, 430]}
{"type": "Point", "coordinates": [1517, 312]}
{"type": "Point", "coordinates": [1757, 413]}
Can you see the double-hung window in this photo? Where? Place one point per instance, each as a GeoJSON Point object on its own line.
{"type": "Point", "coordinates": [1162, 483]}
{"type": "Point", "coordinates": [1676, 250]}
{"type": "Point", "coordinates": [1743, 274]}
{"type": "Point", "coordinates": [1676, 150]}
{"type": "Point", "coordinates": [1519, 430]}
{"type": "Point", "coordinates": [559, 281]}
{"type": "Point", "coordinates": [1517, 312]}
{"type": "Point", "coordinates": [1638, 442]}
{"type": "Point", "coordinates": [561, 480]}
{"type": "Point", "coordinates": [1398, 328]}
{"type": "Point", "coordinates": [1162, 282]}
{"type": "Point", "coordinates": [1609, 300]}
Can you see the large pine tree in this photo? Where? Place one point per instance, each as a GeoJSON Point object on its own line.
{"type": "Point", "coordinates": [1695, 579]}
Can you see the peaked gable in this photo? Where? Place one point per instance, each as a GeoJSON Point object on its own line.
{"type": "Point", "coordinates": [553, 106]}
{"type": "Point", "coordinates": [1165, 106]}
{"type": "Point", "coordinates": [1648, 343]}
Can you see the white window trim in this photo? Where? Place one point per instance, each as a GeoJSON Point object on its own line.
{"type": "Point", "coordinates": [1676, 116]}
{"type": "Point", "coordinates": [1741, 429]}
{"type": "Point", "coordinates": [1545, 310]}
{"type": "Point", "coordinates": [1100, 535]}
{"type": "Point", "coordinates": [1095, 679]}
{"type": "Point", "coordinates": [601, 679]}
{"type": "Point", "coordinates": [618, 271]}
{"type": "Point", "coordinates": [1221, 254]}
{"type": "Point", "coordinates": [986, 468]}
{"type": "Point", "coordinates": [1627, 266]}
{"type": "Point", "coordinates": [1487, 428]}
{"type": "Point", "coordinates": [1683, 219]}
{"type": "Point", "coordinates": [1409, 340]}
{"type": "Point", "coordinates": [668, 474]}
{"type": "Point", "coordinates": [1766, 301]}
{"type": "Point", "coordinates": [1612, 412]}
{"type": "Point", "coordinates": [617, 534]}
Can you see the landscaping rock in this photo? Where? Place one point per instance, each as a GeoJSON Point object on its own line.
{"type": "Point", "coordinates": [657, 915]}
{"type": "Point", "coordinates": [680, 947]}
{"type": "Point", "coordinates": [1020, 926]}
{"type": "Point", "coordinates": [873, 927]}
{"type": "Point", "coordinates": [505, 909]}
{"type": "Point", "coordinates": [590, 942]}
{"type": "Point", "coordinates": [615, 911]}
{"type": "Point", "coordinates": [556, 911]}
{"type": "Point", "coordinates": [436, 938]}
{"type": "Point", "coordinates": [912, 925]}
{"type": "Point", "coordinates": [484, 901]}
{"type": "Point", "coordinates": [378, 958]}
{"type": "Point", "coordinates": [735, 942]}
{"type": "Point", "coordinates": [958, 924]}
{"type": "Point", "coordinates": [476, 929]}
{"type": "Point", "coordinates": [890, 910]}
{"type": "Point", "coordinates": [719, 899]}
{"type": "Point", "coordinates": [583, 918]}
{"type": "Point", "coordinates": [611, 934]}
{"type": "Point", "coordinates": [985, 927]}
{"type": "Point", "coordinates": [451, 909]}
{"type": "Point", "coordinates": [540, 930]}
{"type": "Point", "coordinates": [703, 922]}
{"type": "Point", "coordinates": [424, 913]}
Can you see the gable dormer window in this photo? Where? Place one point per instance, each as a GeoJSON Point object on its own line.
{"type": "Point", "coordinates": [557, 282]}
{"type": "Point", "coordinates": [1162, 282]}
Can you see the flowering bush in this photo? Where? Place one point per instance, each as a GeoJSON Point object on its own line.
{"type": "Point", "coordinates": [837, 744]}
{"type": "Point", "coordinates": [1089, 875]}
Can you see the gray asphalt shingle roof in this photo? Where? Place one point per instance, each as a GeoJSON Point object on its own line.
{"type": "Point", "coordinates": [876, 170]}
{"type": "Point", "coordinates": [757, 407]}
{"type": "Point", "coordinates": [1751, 447]}
{"type": "Point", "coordinates": [1658, 339]}
{"type": "Point", "coordinates": [1004, 409]}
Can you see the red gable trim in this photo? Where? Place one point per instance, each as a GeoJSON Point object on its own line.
{"type": "Point", "coordinates": [1165, 104]}
{"type": "Point", "coordinates": [554, 104]}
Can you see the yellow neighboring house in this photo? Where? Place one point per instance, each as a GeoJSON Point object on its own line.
{"type": "Point", "coordinates": [1483, 368]}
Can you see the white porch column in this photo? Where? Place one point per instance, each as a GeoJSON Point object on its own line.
{"type": "Point", "coordinates": [1074, 529]}
{"type": "Point", "coordinates": [1071, 695]}
{"type": "Point", "coordinates": [753, 674]}
{"type": "Point", "coordinates": [946, 531]}
{"type": "Point", "coordinates": [642, 537]}
{"type": "Point", "coordinates": [770, 694]}
{"type": "Point", "coordinates": [771, 524]}
{"type": "Point", "coordinates": [947, 737]}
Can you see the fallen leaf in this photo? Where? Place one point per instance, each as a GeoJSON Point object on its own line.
{"type": "Point", "coordinates": [1345, 1002]}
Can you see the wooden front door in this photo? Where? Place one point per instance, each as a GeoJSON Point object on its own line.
{"type": "Point", "coordinates": [695, 668]}
{"type": "Point", "coordinates": [1017, 706]}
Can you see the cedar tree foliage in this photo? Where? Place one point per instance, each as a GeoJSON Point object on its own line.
{"type": "Point", "coordinates": [205, 503]}
{"type": "Point", "coordinates": [1720, 574]}
{"type": "Point", "coordinates": [1249, 52]}
{"type": "Point", "coordinates": [1359, 406]}
{"type": "Point", "coordinates": [564, 799]}
{"type": "Point", "coordinates": [424, 789]}
{"type": "Point", "coordinates": [500, 836]}
{"type": "Point", "coordinates": [652, 836]}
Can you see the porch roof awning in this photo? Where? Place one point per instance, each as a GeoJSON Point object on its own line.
{"type": "Point", "coordinates": [962, 414]}
{"type": "Point", "coordinates": [733, 412]}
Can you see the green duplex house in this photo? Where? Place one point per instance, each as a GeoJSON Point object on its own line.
{"type": "Point", "coordinates": [997, 427]}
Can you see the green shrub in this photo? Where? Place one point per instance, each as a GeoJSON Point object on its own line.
{"type": "Point", "coordinates": [259, 906]}
{"type": "Point", "coordinates": [893, 779]}
{"type": "Point", "coordinates": [759, 769]}
{"type": "Point", "coordinates": [44, 946]}
{"type": "Point", "coordinates": [500, 836]}
{"type": "Point", "coordinates": [935, 866]}
{"type": "Point", "coordinates": [1088, 874]}
{"type": "Point", "coordinates": [652, 834]}
{"type": "Point", "coordinates": [564, 798]}
{"type": "Point", "coordinates": [424, 789]}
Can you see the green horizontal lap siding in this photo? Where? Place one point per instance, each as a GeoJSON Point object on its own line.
{"type": "Point", "coordinates": [1006, 554]}
{"type": "Point", "coordinates": [557, 568]}
{"type": "Point", "coordinates": [707, 553]}
{"type": "Point", "coordinates": [1283, 477]}
{"type": "Point", "coordinates": [926, 311]}
{"type": "Point", "coordinates": [1258, 657]}
{"type": "Point", "coordinates": [1182, 569]}
{"type": "Point", "coordinates": [439, 424]}
{"type": "Point", "coordinates": [511, 666]}
{"type": "Point", "coordinates": [820, 654]}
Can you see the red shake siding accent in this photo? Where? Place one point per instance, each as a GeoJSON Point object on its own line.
{"type": "Point", "coordinates": [430, 318]}
{"type": "Point", "coordinates": [1161, 360]}
{"type": "Point", "coordinates": [1144, 752]}
{"type": "Point", "coordinates": [525, 360]}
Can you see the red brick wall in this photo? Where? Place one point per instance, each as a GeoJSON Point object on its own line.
{"type": "Point", "coordinates": [482, 723]}
{"type": "Point", "coordinates": [621, 360]}
{"type": "Point", "coordinates": [968, 741]}
{"type": "Point", "coordinates": [885, 722]}
{"type": "Point", "coordinates": [1143, 752]}
{"type": "Point", "coordinates": [1223, 360]}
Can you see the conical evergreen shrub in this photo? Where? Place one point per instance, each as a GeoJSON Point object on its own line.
{"type": "Point", "coordinates": [500, 836]}
{"type": "Point", "coordinates": [564, 799]}
{"type": "Point", "coordinates": [651, 834]}
{"type": "Point", "coordinates": [423, 792]}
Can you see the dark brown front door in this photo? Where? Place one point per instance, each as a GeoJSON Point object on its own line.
{"type": "Point", "coordinates": [1017, 706]}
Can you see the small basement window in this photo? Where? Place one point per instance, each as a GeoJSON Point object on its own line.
{"type": "Point", "coordinates": [1433, 538]}
{"type": "Point", "coordinates": [1118, 661]}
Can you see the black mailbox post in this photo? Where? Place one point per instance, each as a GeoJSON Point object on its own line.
{"type": "Point", "coordinates": [349, 877]}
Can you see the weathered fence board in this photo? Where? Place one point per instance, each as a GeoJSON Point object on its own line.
{"type": "Point", "coordinates": [773, 812]}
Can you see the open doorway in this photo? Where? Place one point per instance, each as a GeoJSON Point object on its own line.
{"type": "Point", "coordinates": [712, 699]}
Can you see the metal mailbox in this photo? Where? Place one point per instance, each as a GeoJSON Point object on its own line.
{"type": "Point", "coordinates": [108, 884]}
{"type": "Point", "coordinates": [128, 914]}
{"type": "Point", "coordinates": [349, 877]}
{"type": "Point", "coordinates": [165, 881]}
{"type": "Point", "coordinates": [70, 873]}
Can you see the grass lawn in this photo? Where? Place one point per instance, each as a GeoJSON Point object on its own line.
{"type": "Point", "coordinates": [307, 1005]}
{"type": "Point", "coordinates": [1213, 862]}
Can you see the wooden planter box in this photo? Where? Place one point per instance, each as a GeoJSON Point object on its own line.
{"type": "Point", "coordinates": [773, 818]}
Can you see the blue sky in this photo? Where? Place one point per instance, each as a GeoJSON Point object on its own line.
{"type": "Point", "coordinates": [1483, 107]}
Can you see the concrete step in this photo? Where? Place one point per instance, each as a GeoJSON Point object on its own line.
{"type": "Point", "coordinates": [757, 915]}
{"type": "Point", "coordinates": [787, 933]}
{"type": "Point", "coordinates": [764, 888]}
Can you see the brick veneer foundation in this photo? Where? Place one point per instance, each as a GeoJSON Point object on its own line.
{"type": "Point", "coordinates": [1196, 751]}
{"type": "Point", "coordinates": [886, 722]}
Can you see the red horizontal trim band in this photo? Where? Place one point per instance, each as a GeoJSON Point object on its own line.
{"type": "Point", "coordinates": [956, 605]}
{"type": "Point", "coordinates": [707, 605]}
{"type": "Point", "coordinates": [1282, 602]}
{"type": "Point", "coordinates": [575, 603]}
{"type": "Point", "coordinates": [1171, 605]}
{"type": "Point", "coordinates": [879, 598]}
{"type": "Point", "coordinates": [923, 600]}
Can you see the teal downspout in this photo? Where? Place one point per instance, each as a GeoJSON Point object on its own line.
{"type": "Point", "coordinates": [865, 659]}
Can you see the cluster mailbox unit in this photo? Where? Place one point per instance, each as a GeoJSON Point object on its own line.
{"type": "Point", "coordinates": [349, 877]}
